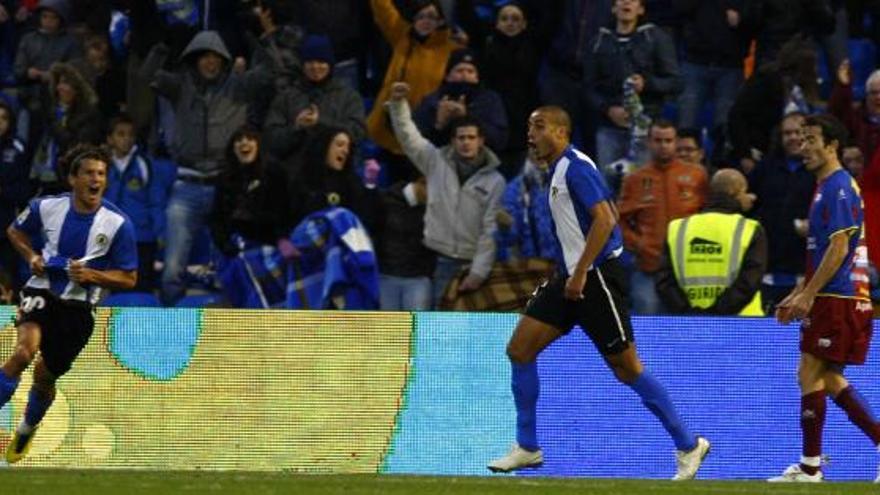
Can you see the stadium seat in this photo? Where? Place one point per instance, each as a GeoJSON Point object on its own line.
{"type": "Point", "coordinates": [199, 300]}
{"type": "Point", "coordinates": [132, 299]}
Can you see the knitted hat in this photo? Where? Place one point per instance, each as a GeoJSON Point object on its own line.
{"type": "Point", "coordinates": [317, 47]}
{"type": "Point", "coordinates": [461, 56]}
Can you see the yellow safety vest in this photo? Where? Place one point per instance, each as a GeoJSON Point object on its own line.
{"type": "Point", "coordinates": [707, 250]}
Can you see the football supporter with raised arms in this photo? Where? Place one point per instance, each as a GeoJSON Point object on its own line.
{"type": "Point", "coordinates": [87, 245]}
{"type": "Point", "coordinates": [590, 290]}
{"type": "Point", "coordinates": [833, 304]}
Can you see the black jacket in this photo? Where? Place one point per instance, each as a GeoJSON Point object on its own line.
{"type": "Point", "coordinates": [399, 241]}
{"type": "Point", "coordinates": [755, 112]}
{"type": "Point", "coordinates": [773, 22]}
{"type": "Point", "coordinates": [15, 187]}
{"type": "Point", "coordinates": [734, 298]}
{"type": "Point", "coordinates": [240, 207]}
{"type": "Point", "coordinates": [650, 52]}
{"type": "Point", "coordinates": [783, 195]}
{"type": "Point", "coordinates": [708, 38]}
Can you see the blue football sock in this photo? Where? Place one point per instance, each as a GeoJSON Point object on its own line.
{"type": "Point", "coordinates": [655, 398]}
{"type": "Point", "coordinates": [36, 408]}
{"type": "Point", "coordinates": [7, 387]}
{"type": "Point", "coordinates": [526, 386]}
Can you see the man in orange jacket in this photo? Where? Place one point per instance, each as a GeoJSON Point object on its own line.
{"type": "Point", "coordinates": [662, 190]}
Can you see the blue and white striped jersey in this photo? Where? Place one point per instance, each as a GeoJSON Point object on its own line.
{"type": "Point", "coordinates": [575, 186]}
{"type": "Point", "coordinates": [105, 240]}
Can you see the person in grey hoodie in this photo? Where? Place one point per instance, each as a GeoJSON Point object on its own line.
{"type": "Point", "coordinates": [210, 102]}
{"type": "Point", "coordinates": [464, 194]}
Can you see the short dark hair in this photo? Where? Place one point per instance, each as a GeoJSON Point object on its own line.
{"type": "Point", "coordinates": [662, 124]}
{"type": "Point", "coordinates": [120, 119]}
{"type": "Point", "coordinates": [832, 129]}
{"type": "Point", "coordinates": [465, 121]}
{"type": "Point", "coordinates": [70, 163]}
{"type": "Point", "coordinates": [691, 133]}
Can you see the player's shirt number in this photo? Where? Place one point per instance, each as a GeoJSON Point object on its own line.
{"type": "Point", "coordinates": [31, 303]}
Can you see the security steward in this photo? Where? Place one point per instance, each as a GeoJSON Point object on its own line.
{"type": "Point", "coordinates": [713, 261]}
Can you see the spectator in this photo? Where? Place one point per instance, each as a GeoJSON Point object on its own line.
{"type": "Point", "coordinates": [464, 188]}
{"type": "Point", "coordinates": [689, 149]}
{"type": "Point", "coordinates": [71, 118]}
{"type": "Point", "coordinates": [460, 94]}
{"type": "Point", "coordinates": [853, 160]}
{"type": "Point", "coordinates": [715, 45]}
{"type": "Point", "coordinates": [787, 85]}
{"type": "Point", "coordinates": [862, 120]}
{"type": "Point", "coordinates": [713, 261]}
{"type": "Point", "coordinates": [575, 24]}
{"type": "Point", "coordinates": [652, 196]}
{"type": "Point", "coordinates": [320, 177]}
{"type": "Point", "coordinates": [239, 205]}
{"type": "Point", "coordinates": [640, 53]}
{"type": "Point", "coordinates": [405, 264]}
{"type": "Point", "coordinates": [347, 22]}
{"type": "Point", "coordinates": [784, 188]}
{"type": "Point", "coordinates": [277, 49]}
{"type": "Point", "coordinates": [870, 184]}
{"type": "Point", "coordinates": [510, 53]}
{"type": "Point", "coordinates": [279, 43]}
{"type": "Point", "coordinates": [210, 103]}
{"type": "Point", "coordinates": [132, 187]}
{"type": "Point", "coordinates": [420, 51]}
{"type": "Point", "coordinates": [318, 97]}
{"type": "Point", "coordinates": [525, 229]}
{"type": "Point", "coordinates": [103, 75]}
{"type": "Point", "coordinates": [775, 22]}
{"type": "Point", "coordinates": [37, 51]}
{"type": "Point", "coordinates": [13, 16]}
{"type": "Point", "coordinates": [15, 189]}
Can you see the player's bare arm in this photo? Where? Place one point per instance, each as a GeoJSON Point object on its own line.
{"type": "Point", "coordinates": [604, 220]}
{"type": "Point", "coordinates": [797, 305]}
{"type": "Point", "coordinates": [22, 243]}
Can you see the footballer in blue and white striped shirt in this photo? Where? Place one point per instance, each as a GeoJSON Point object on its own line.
{"type": "Point", "coordinates": [77, 244]}
{"type": "Point", "coordinates": [590, 290]}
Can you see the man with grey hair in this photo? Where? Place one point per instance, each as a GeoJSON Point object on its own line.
{"type": "Point", "coordinates": [862, 120]}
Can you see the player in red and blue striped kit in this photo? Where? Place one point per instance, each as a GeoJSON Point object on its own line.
{"type": "Point", "coordinates": [833, 304]}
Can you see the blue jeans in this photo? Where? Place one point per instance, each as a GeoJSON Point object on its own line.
{"type": "Point", "coordinates": [446, 270]}
{"type": "Point", "coordinates": [189, 208]}
{"type": "Point", "coordinates": [645, 300]}
{"type": "Point", "coordinates": [404, 293]}
{"type": "Point", "coordinates": [699, 82]}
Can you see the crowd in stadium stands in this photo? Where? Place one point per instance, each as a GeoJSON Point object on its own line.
{"type": "Point", "coordinates": [231, 123]}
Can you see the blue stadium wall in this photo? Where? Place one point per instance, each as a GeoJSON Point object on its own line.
{"type": "Point", "coordinates": [422, 393]}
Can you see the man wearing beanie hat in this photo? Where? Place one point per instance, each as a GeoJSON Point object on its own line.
{"type": "Point", "coordinates": [317, 97]}
{"type": "Point", "coordinates": [460, 94]}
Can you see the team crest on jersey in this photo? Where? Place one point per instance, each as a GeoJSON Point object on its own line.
{"type": "Point", "coordinates": [101, 240]}
{"type": "Point", "coordinates": [23, 215]}
{"type": "Point", "coordinates": [554, 191]}
{"type": "Point", "coordinates": [134, 184]}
